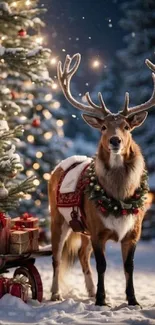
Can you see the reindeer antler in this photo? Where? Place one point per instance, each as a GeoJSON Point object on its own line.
{"type": "Point", "coordinates": [145, 106]}
{"type": "Point", "coordinates": [64, 76]}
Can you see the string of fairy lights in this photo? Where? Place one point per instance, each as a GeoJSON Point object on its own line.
{"type": "Point", "coordinates": [95, 63]}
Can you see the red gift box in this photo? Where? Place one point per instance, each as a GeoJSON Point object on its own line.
{"type": "Point", "coordinates": [5, 224]}
{"type": "Point", "coordinates": [19, 287]}
{"type": "Point", "coordinates": [3, 286]}
{"type": "Point", "coordinates": [26, 220]}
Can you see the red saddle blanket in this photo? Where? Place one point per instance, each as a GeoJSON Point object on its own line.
{"type": "Point", "coordinates": [73, 200]}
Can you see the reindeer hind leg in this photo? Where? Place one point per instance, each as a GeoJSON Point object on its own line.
{"type": "Point", "coordinates": [60, 233]}
{"type": "Point", "coordinates": [84, 257]}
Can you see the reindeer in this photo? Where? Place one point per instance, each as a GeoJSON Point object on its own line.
{"type": "Point", "coordinates": [119, 166]}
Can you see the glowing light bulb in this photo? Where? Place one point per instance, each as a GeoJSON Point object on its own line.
{"type": "Point", "coordinates": [39, 154]}
{"type": "Point", "coordinates": [60, 122]}
{"type": "Point", "coordinates": [39, 107]}
{"type": "Point", "coordinates": [14, 4]}
{"type": "Point", "coordinates": [39, 39]}
{"type": "Point", "coordinates": [53, 61]}
{"type": "Point", "coordinates": [36, 182]}
{"type": "Point", "coordinates": [54, 86]}
{"type": "Point", "coordinates": [37, 202]}
{"type": "Point", "coordinates": [96, 64]}
{"type": "Point", "coordinates": [47, 176]}
{"type": "Point", "coordinates": [29, 173]}
{"type": "Point", "coordinates": [48, 135]}
{"type": "Point", "coordinates": [36, 166]}
{"type": "Point", "coordinates": [56, 105]}
{"type": "Point", "coordinates": [28, 2]}
{"type": "Point", "coordinates": [28, 196]}
{"type": "Point", "coordinates": [48, 97]}
{"type": "Point", "coordinates": [47, 114]}
{"type": "Point", "coordinates": [30, 138]}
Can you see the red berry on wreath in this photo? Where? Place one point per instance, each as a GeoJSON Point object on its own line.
{"type": "Point", "coordinates": [124, 212]}
{"type": "Point", "coordinates": [137, 196]}
{"type": "Point", "coordinates": [102, 209]}
{"type": "Point", "coordinates": [36, 122]}
{"type": "Point", "coordinates": [22, 32]}
{"type": "Point", "coordinates": [135, 211]}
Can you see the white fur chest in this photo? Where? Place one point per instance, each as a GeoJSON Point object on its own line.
{"type": "Point", "coordinates": [120, 225]}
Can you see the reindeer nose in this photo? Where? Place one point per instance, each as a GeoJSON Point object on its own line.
{"type": "Point", "coordinates": [115, 141]}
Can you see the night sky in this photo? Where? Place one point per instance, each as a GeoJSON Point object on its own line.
{"type": "Point", "coordinates": [90, 27]}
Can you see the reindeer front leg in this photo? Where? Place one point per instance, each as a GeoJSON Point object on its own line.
{"type": "Point", "coordinates": [99, 248]}
{"type": "Point", "coordinates": [128, 250]}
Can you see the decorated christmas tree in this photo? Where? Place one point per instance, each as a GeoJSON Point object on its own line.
{"type": "Point", "coordinates": [31, 99]}
{"type": "Point", "coordinates": [23, 63]}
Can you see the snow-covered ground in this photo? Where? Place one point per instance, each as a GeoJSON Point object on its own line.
{"type": "Point", "coordinates": [77, 308]}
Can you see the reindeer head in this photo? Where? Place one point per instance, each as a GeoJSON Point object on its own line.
{"type": "Point", "coordinates": [115, 128]}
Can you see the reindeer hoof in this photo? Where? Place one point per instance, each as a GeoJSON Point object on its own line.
{"type": "Point", "coordinates": [133, 302]}
{"type": "Point", "coordinates": [56, 296]}
{"type": "Point", "coordinates": [100, 301]}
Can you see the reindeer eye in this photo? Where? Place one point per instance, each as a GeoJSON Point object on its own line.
{"type": "Point", "coordinates": [103, 128]}
{"type": "Point", "coordinates": [126, 127]}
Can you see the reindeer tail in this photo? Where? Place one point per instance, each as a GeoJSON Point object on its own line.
{"type": "Point", "coordinates": [70, 250]}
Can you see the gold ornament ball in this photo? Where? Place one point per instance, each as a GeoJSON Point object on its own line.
{"type": "Point", "coordinates": [97, 187]}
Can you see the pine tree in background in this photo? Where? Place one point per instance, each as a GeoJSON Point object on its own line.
{"type": "Point", "coordinates": [139, 23]}
{"type": "Point", "coordinates": [24, 78]}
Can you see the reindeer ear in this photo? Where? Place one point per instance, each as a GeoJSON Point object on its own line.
{"type": "Point", "coordinates": [94, 122]}
{"type": "Point", "coordinates": [137, 119]}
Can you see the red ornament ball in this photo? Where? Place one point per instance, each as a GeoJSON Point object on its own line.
{"type": "Point", "coordinates": [36, 122]}
{"type": "Point", "coordinates": [22, 32]}
{"type": "Point", "coordinates": [124, 212]}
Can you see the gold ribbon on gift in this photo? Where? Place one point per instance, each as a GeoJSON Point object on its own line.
{"type": "Point", "coordinates": [23, 280]}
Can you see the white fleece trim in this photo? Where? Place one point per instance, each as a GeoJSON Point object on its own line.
{"type": "Point", "coordinates": [70, 181]}
{"type": "Point", "coordinates": [66, 163]}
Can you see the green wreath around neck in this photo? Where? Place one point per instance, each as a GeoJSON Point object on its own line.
{"type": "Point", "coordinates": [108, 205]}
